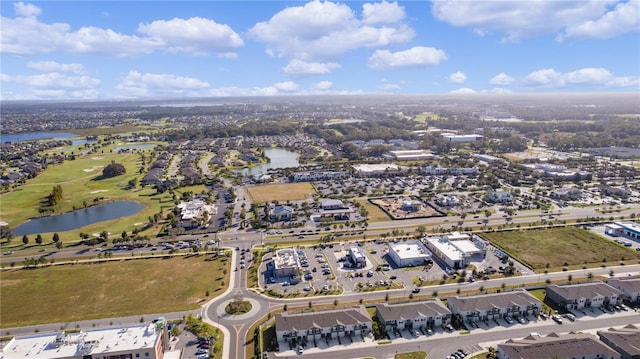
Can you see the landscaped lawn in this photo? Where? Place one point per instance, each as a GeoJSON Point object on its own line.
{"type": "Point", "coordinates": [112, 289]}
{"type": "Point", "coordinates": [557, 246]}
{"type": "Point", "coordinates": [281, 192]}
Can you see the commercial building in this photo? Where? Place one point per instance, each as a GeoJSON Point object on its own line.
{"type": "Point", "coordinates": [577, 296]}
{"type": "Point", "coordinates": [409, 254]}
{"type": "Point", "coordinates": [319, 175]}
{"type": "Point", "coordinates": [410, 155]}
{"type": "Point", "coordinates": [424, 314]}
{"type": "Point", "coordinates": [486, 307]}
{"type": "Point", "coordinates": [494, 196]}
{"type": "Point", "coordinates": [456, 250]}
{"type": "Point", "coordinates": [567, 346]}
{"type": "Point", "coordinates": [626, 228]}
{"type": "Point", "coordinates": [335, 208]}
{"type": "Point", "coordinates": [447, 200]}
{"type": "Point", "coordinates": [625, 341]}
{"type": "Point", "coordinates": [143, 341]}
{"type": "Point", "coordinates": [302, 328]}
{"type": "Point", "coordinates": [357, 257]}
{"type": "Point", "coordinates": [629, 286]}
{"type": "Point", "coordinates": [282, 213]}
{"type": "Point", "coordinates": [411, 205]}
{"type": "Point", "coordinates": [285, 263]}
{"type": "Point", "coordinates": [375, 169]}
{"type": "Point", "coordinates": [191, 212]}
{"type": "Point", "coordinates": [461, 138]}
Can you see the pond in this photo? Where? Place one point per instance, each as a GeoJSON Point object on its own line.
{"type": "Point", "coordinates": [280, 158]}
{"type": "Point", "coordinates": [78, 218]}
{"type": "Point", "coordinates": [134, 147]}
{"type": "Point", "coordinates": [28, 136]}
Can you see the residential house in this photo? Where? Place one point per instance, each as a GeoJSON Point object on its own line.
{"type": "Point", "coordinates": [300, 328]}
{"type": "Point", "coordinates": [484, 307]}
{"type": "Point", "coordinates": [584, 295]}
{"type": "Point", "coordinates": [629, 286]}
{"type": "Point", "coordinates": [424, 314]}
{"type": "Point", "coordinates": [625, 341]}
{"type": "Point", "coordinates": [567, 346]}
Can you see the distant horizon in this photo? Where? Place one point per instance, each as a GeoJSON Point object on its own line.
{"type": "Point", "coordinates": [110, 50]}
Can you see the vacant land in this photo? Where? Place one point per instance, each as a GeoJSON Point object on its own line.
{"type": "Point", "coordinates": [281, 192]}
{"type": "Point", "coordinates": [375, 213]}
{"type": "Point", "coordinates": [112, 289]}
{"type": "Point", "coordinates": [559, 246]}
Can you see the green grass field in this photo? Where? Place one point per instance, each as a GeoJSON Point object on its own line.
{"type": "Point", "coordinates": [281, 192]}
{"type": "Point", "coordinates": [558, 246]}
{"type": "Point", "coordinates": [121, 288]}
{"type": "Point", "coordinates": [81, 183]}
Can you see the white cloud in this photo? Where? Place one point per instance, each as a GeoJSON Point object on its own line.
{"type": "Point", "coordinates": [588, 76]}
{"type": "Point", "coordinates": [52, 66]}
{"type": "Point", "coordinates": [499, 90]}
{"type": "Point", "coordinates": [323, 85]}
{"type": "Point", "coordinates": [463, 90]}
{"type": "Point", "coordinates": [458, 77]}
{"type": "Point", "coordinates": [624, 18]}
{"type": "Point", "coordinates": [418, 56]}
{"type": "Point", "coordinates": [28, 35]}
{"type": "Point", "coordinates": [26, 10]}
{"type": "Point", "coordinates": [382, 13]}
{"type": "Point", "coordinates": [136, 84]}
{"type": "Point", "coordinates": [286, 86]}
{"type": "Point", "coordinates": [519, 19]}
{"type": "Point", "coordinates": [544, 77]}
{"type": "Point", "coordinates": [193, 35]}
{"type": "Point", "coordinates": [302, 68]}
{"type": "Point", "coordinates": [502, 79]}
{"type": "Point", "coordinates": [324, 31]}
{"type": "Point", "coordinates": [53, 81]}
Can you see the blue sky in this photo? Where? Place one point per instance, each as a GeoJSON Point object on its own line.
{"type": "Point", "coordinates": [154, 49]}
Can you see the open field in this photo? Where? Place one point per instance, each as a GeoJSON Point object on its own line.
{"type": "Point", "coordinates": [109, 289]}
{"type": "Point", "coordinates": [81, 183]}
{"type": "Point", "coordinates": [557, 246]}
{"type": "Point", "coordinates": [281, 192]}
{"type": "Point", "coordinates": [375, 213]}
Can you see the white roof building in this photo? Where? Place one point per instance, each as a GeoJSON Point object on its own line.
{"type": "Point", "coordinates": [455, 249]}
{"type": "Point", "coordinates": [147, 340]}
{"type": "Point", "coordinates": [461, 138]}
{"type": "Point", "coordinates": [410, 155]}
{"type": "Point", "coordinates": [371, 169]}
{"type": "Point", "coordinates": [407, 254]}
{"type": "Point", "coordinates": [285, 262]}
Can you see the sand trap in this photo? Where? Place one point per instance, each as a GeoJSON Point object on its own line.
{"type": "Point", "coordinates": [98, 191]}
{"type": "Point", "coordinates": [97, 158]}
{"type": "Point", "coordinates": [94, 168]}
{"type": "Point", "coordinates": [138, 224]}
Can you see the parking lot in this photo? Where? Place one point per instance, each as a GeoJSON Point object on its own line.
{"type": "Point", "coordinates": [325, 269]}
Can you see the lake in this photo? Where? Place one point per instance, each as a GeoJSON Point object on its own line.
{"type": "Point", "coordinates": [280, 158]}
{"type": "Point", "coordinates": [78, 218]}
{"type": "Point", "coordinates": [18, 137]}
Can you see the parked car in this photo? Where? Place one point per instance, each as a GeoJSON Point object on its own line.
{"type": "Point", "coordinates": [557, 319]}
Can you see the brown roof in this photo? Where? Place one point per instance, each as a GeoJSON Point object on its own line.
{"type": "Point", "coordinates": [557, 346]}
{"type": "Point", "coordinates": [632, 284]}
{"type": "Point", "coordinates": [427, 309]}
{"type": "Point", "coordinates": [322, 319]}
{"type": "Point", "coordinates": [626, 340]}
{"type": "Point", "coordinates": [583, 290]}
{"type": "Point", "coordinates": [485, 302]}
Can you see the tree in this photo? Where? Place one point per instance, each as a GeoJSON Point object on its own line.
{"type": "Point", "coordinates": [6, 232]}
{"type": "Point", "coordinates": [25, 240]}
{"type": "Point", "coordinates": [39, 239]}
{"type": "Point", "coordinates": [56, 237]}
{"type": "Point", "coordinates": [59, 245]}
{"type": "Point", "coordinates": [113, 169]}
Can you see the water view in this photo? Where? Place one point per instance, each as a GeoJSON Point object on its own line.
{"type": "Point", "coordinates": [79, 218]}
{"type": "Point", "coordinates": [280, 158]}
{"type": "Point", "coordinates": [29, 136]}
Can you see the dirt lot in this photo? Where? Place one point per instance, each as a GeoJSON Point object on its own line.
{"type": "Point", "coordinates": [403, 207]}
